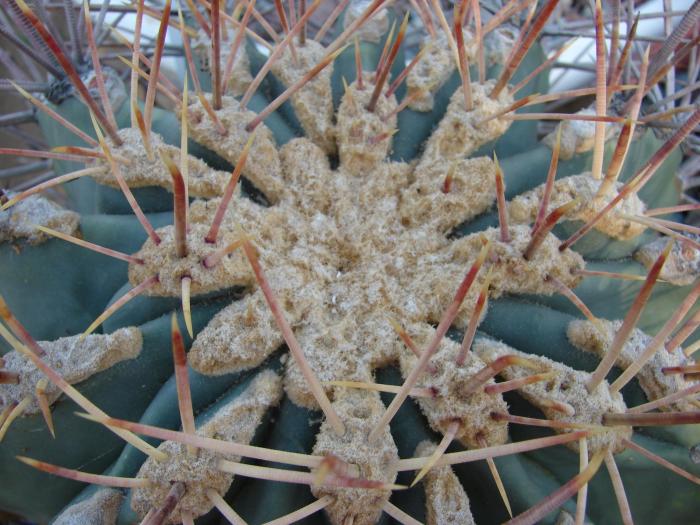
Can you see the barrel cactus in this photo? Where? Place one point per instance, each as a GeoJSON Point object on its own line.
{"type": "Point", "coordinates": [399, 304]}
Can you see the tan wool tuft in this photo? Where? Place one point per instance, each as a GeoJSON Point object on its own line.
{"type": "Point", "coordinates": [141, 171]}
{"type": "Point", "coordinates": [434, 68]}
{"type": "Point", "coordinates": [587, 337]}
{"type": "Point", "coordinates": [358, 130]}
{"type": "Point", "coordinates": [359, 411]}
{"type": "Point", "coordinates": [452, 402]}
{"type": "Point", "coordinates": [237, 422]}
{"type": "Point", "coordinates": [75, 359]}
{"type": "Point", "coordinates": [313, 104]}
{"type": "Point", "coordinates": [162, 260]}
{"type": "Point", "coordinates": [462, 132]}
{"type": "Point", "coordinates": [19, 221]}
{"type": "Point", "coordinates": [584, 187]}
{"type": "Point", "coordinates": [446, 502]}
{"type": "Point", "coordinates": [568, 388]}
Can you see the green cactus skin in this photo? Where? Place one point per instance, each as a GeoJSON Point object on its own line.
{"type": "Point", "coordinates": [57, 289]}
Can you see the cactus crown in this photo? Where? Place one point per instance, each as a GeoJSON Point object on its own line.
{"type": "Point", "coordinates": [340, 209]}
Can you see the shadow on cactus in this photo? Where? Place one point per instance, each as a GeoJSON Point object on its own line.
{"type": "Point", "coordinates": [400, 306]}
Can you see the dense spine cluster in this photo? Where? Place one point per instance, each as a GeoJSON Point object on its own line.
{"type": "Point", "coordinates": [329, 212]}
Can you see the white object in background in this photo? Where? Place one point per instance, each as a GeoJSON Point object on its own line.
{"type": "Point", "coordinates": [582, 51]}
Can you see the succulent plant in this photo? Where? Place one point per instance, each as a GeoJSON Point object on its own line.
{"type": "Point", "coordinates": [319, 239]}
